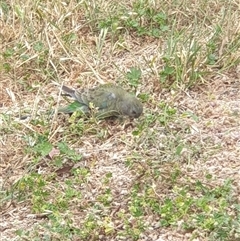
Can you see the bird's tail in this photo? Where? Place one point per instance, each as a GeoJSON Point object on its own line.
{"type": "Point", "coordinates": [68, 91]}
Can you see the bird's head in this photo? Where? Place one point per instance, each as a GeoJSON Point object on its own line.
{"type": "Point", "coordinates": [131, 107]}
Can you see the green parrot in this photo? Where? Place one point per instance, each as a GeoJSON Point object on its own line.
{"type": "Point", "coordinates": [108, 99]}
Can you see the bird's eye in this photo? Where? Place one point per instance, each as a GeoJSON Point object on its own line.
{"type": "Point", "coordinates": [134, 112]}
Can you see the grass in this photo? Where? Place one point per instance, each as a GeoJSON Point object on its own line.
{"type": "Point", "coordinates": [172, 174]}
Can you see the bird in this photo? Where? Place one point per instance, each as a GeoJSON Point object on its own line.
{"type": "Point", "coordinates": [107, 99]}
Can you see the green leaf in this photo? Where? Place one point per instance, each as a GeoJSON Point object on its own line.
{"type": "Point", "coordinates": [71, 154]}
{"type": "Point", "coordinates": [134, 76]}
{"type": "Point", "coordinates": [38, 46]}
{"type": "Point", "coordinates": [43, 148]}
{"type": "Point", "coordinates": [179, 149]}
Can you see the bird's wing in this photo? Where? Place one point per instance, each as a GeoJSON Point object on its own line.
{"type": "Point", "coordinates": [72, 107]}
{"type": "Point", "coordinates": [102, 97]}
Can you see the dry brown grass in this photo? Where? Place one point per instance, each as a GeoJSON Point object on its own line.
{"type": "Point", "coordinates": [189, 132]}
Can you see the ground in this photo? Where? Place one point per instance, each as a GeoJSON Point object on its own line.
{"type": "Point", "coordinates": [172, 174]}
